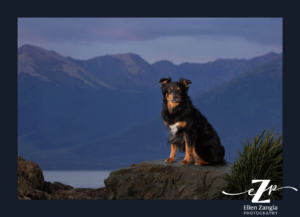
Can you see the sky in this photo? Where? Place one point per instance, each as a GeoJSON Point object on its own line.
{"type": "Point", "coordinates": [179, 40]}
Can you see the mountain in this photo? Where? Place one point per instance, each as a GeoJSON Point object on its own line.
{"type": "Point", "coordinates": [122, 71]}
{"type": "Point", "coordinates": [238, 109]}
{"type": "Point", "coordinates": [207, 76]}
{"type": "Point", "coordinates": [130, 72]}
{"type": "Point", "coordinates": [245, 106]}
{"type": "Point", "coordinates": [52, 67]}
{"type": "Point", "coordinates": [62, 105]}
{"type": "Point", "coordinates": [101, 113]}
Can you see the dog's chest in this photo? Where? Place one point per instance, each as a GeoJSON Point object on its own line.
{"type": "Point", "coordinates": [173, 128]}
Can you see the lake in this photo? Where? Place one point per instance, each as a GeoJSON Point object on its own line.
{"type": "Point", "coordinates": [78, 178]}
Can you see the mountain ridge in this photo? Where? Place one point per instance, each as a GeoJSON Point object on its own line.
{"type": "Point", "coordinates": [130, 72]}
{"type": "Point", "coordinates": [33, 60]}
{"type": "Point", "coordinates": [69, 122]}
{"type": "Point", "coordinates": [238, 115]}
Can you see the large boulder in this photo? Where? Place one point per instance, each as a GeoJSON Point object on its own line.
{"type": "Point", "coordinates": [30, 179]}
{"type": "Point", "coordinates": [31, 173]}
{"type": "Point", "coordinates": [170, 181]}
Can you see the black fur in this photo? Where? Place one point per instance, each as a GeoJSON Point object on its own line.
{"type": "Point", "coordinates": [198, 131]}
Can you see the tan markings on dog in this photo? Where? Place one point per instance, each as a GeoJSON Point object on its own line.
{"type": "Point", "coordinates": [168, 97]}
{"type": "Point", "coordinates": [165, 123]}
{"type": "Point", "coordinates": [188, 158]}
{"type": "Point", "coordinates": [195, 155]}
{"type": "Point", "coordinates": [186, 82]}
{"type": "Point", "coordinates": [164, 83]}
{"type": "Point", "coordinates": [172, 105]}
{"type": "Point", "coordinates": [178, 88]}
{"type": "Point", "coordinates": [181, 124]}
{"type": "Point", "coordinates": [198, 160]}
{"type": "Point", "coordinates": [172, 154]}
{"type": "Point", "coordinates": [201, 162]}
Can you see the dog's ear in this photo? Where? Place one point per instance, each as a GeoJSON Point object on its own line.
{"type": "Point", "coordinates": [165, 81]}
{"type": "Point", "coordinates": [185, 82]}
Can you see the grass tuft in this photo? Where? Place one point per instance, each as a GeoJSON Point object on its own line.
{"type": "Point", "coordinates": [261, 158]}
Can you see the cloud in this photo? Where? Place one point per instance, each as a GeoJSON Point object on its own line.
{"type": "Point", "coordinates": [174, 39]}
{"type": "Point", "coordinates": [267, 31]}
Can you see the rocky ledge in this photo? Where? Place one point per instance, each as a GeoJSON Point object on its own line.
{"type": "Point", "coordinates": [169, 181]}
{"type": "Point", "coordinates": [31, 186]}
{"type": "Point", "coordinates": [147, 180]}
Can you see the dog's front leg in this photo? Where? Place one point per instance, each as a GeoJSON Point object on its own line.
{"type": "Point", "coordinates": [188, 151]}
{"type": "Point", "coordinates": [173, 154]}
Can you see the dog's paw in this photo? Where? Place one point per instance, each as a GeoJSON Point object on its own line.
{"type": "Point", "coordinates": [200, 162]}
{"type": "Point", "coordinates": [170, 160]}
{"type": "Point", "coordinates": [184, 162]}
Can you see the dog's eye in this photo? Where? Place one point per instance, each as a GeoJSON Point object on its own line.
{"type": "Point", "coordinates": [170, 90]}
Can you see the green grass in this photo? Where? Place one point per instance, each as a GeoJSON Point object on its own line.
{"type": "Point", "coordinates": [262, 158]}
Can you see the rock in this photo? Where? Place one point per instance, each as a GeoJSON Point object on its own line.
{"type": "Point", "coordinates": [31, 173]}
{"type": "Point", "coordinates": [153, 180]}
{"type": "Point", "coordinates": [59, 191]}
{"type": "Point", "coordinates": [31, 186]}
{"type": "Point", "coordinates": [61, 186]}
{"type": "Point", "coordinates": [100, 193]}
{"type": "Point", "coordinates": [79, 194]}
{"type": "Point", "coordinates": [30, 179]}
{"type": "Point", "coordinates": [49, 187]}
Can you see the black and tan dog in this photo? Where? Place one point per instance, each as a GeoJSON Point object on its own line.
{"type": "Point", "coordinates": [190, 131]}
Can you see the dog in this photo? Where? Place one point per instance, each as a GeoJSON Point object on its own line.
{"type": "Point", "coordinates": [189, 130]}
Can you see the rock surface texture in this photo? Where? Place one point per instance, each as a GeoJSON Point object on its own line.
{"type": "Point", "coordinates": [31, 186]}
{"type": "Point", "coordinates": [147, 180]}
{"type": "Point", "coordinates": [153, 180]}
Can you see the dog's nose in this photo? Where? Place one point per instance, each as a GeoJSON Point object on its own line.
{"type": "Point", "coordinates": [175, 96]}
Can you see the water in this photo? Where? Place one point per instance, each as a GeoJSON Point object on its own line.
{"type": "Point", "coordinates": [78, 178]}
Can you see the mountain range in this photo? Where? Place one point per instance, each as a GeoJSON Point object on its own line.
{"type": "Point", "coordinates": [104, 113]}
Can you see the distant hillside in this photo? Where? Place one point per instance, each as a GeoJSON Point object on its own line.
{"type": "Point", "coordinates": [122, 71]}
{"type": "Point", "coordinates": [101, 113]}
{"type": "Point", "coordinates": [130, 72]}
{"type": "Point", "coordinates": [207, 76]}
{"type": "Point", "coordinates": [246, 105]}
{"type": "Point", "coordinates": [62, 105]}
{"type": "Point", "coordinates": [52, 67]}
{"type": "Point", "coordinates": [238, 110]}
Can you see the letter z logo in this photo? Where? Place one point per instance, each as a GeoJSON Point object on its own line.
{"type": "Point", "coordinates": [260, 191]}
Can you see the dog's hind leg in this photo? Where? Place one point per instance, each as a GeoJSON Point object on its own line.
{"type": "Point", "coordinates": [188, 152]}
{"type": "Point", "coordinates": [173, 154]}
{"type": "Point", "coordinates": [198, 160]}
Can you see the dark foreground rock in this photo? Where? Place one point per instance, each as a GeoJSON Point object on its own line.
{"type": "Point", "coordinates": [31, 186]}
{"type": "Point", "coordinates": [170, 181]}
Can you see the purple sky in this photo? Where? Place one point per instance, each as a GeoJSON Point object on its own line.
{"type": "Point", "coordinates": [178, 40]}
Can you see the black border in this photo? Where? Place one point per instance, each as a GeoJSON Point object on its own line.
{"type": "Point", "coordinates": [267, 8]}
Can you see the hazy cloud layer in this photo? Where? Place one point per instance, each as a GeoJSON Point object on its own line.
{"type": "Point", "coordinates": [109, 33]}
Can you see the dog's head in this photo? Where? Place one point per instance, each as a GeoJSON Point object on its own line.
{"type": "Point", "coordinates": [174, 92]}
